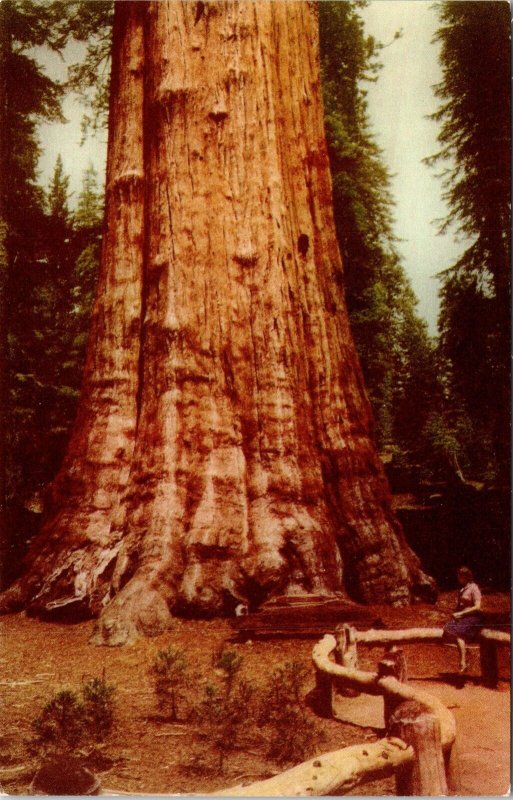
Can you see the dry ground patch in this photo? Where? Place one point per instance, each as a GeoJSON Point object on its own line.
{"type": "Point", "coordinates": [148, 754]}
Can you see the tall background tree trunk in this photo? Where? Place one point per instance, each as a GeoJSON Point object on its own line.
{"type": "Point", "coordinates": [223, 449]}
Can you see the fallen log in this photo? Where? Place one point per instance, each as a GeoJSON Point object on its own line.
{"type": "Point", "coordinates": [10, 773]}
{"type": "Point", "coordinates": [300, 616]}
{"type": "Point", "coordinates": [332, 773]}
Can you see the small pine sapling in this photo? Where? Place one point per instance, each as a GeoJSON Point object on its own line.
{"type": "Point", "coordinates": [169, 672]}
{"type": "Point", "coordinates": [286, 685]}
{"type": "Point", "coordinates": [60, 727]}
{"type": "Point", "coordinates": [216, 712]}
{"type": "Point", "coordinates": [292, 735]}
{"type": "Point", "coordinates": [225, 716]}
{"type": "Point", "coordinates": [99, 707]}
{"type": "Point", "coordinates": [228, 663]}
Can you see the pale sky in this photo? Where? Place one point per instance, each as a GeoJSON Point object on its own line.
{"type": "Point", "coordinates": [66, 139]}
{"type": "Point", "coordinates": [398, 105]}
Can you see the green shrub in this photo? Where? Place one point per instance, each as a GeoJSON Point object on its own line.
{"type": "Point", "coordinates": [284, 688]}
{"type": "Point", "coordinates": [71, 720]}
{"type": "Point", "coordinates": [99, 708]}
{"type": "Point", "coordinates": [293, 737]}
{"type": "Point", "coordinates": [169, 671]}
{"type": "Point", "coordinates": [61, 722]}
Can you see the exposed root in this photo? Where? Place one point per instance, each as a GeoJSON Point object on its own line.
{"type": "Point", "coordinates": [138, 610]}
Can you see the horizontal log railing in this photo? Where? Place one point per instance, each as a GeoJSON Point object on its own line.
{"type": "Point", "coordinates": [332, 773]}
{"type": "Point", "coordinates": [488, 641]}
{"type": "Point", "coordinates": [419, 635]}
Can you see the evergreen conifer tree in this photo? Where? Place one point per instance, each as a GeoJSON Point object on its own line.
{"type": "Point", "coordinates": [58, 195]}
{"type": "Point", "coordinates": [475, 139]}
{"type": "Point", "coordinates": [27, 95]}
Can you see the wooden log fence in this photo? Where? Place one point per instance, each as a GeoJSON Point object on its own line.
{"type": "Point", "coordinates": [386, 685]}
{"type": "Point", "coordinates": [421, 721]}
{"type": "Point", "coordinates": [488, 640]}
{"type": "Point", "coordinates": [419, 748]}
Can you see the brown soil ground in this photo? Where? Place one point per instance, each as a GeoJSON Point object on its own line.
{"type": "Point", "coordinates": [147, 754]}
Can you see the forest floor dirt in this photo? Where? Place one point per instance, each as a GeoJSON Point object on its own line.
{"type": "Point", "coordinates": [147, 754]}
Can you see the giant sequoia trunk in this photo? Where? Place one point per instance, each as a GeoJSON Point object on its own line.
{"type": "Point", "coordinates": [5, 53]}
{"type": "Point", "coordinates": [223, 446]}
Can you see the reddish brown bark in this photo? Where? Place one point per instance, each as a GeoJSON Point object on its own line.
{"type": "Point", "coordinates": [223, 449]}
{"type": "Point", "coordinates": [5, 53]}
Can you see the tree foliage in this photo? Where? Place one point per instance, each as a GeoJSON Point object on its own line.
{"type": "Point", "coordinates": [27, 96]}
{"type": "Point", "coordinates": [293, 736]}
{"type": "Point", "coordinates": [392, 341]}
{"type": "Point", "coordinates": [475, 137]}
{"type": "Point", "coordinates": [70, 720]}
{"type": "Point", "coordinates": [90, 22]}
{"type": "Point", "coordinates": [169, 673]}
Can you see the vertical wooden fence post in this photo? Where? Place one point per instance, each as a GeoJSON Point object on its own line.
{"type": "Point", "coordinates": [346, 654]}
{"type": "Point", "coordinates": [489, 663]}
{"type": "Point", "coordinates": [452, 770]}
{"type": "Point", "coordinates": [323, 691]}
{"type": "Point", "coordinates": [425, 776]}
{"type": "Point", "coordinates": [393, 664]}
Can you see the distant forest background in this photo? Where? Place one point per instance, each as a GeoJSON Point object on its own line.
{"type": "Point", "coordinates": [441, 405]}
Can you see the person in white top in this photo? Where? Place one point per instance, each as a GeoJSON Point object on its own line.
{"type": "Point", "coordinates": [467, 620]}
